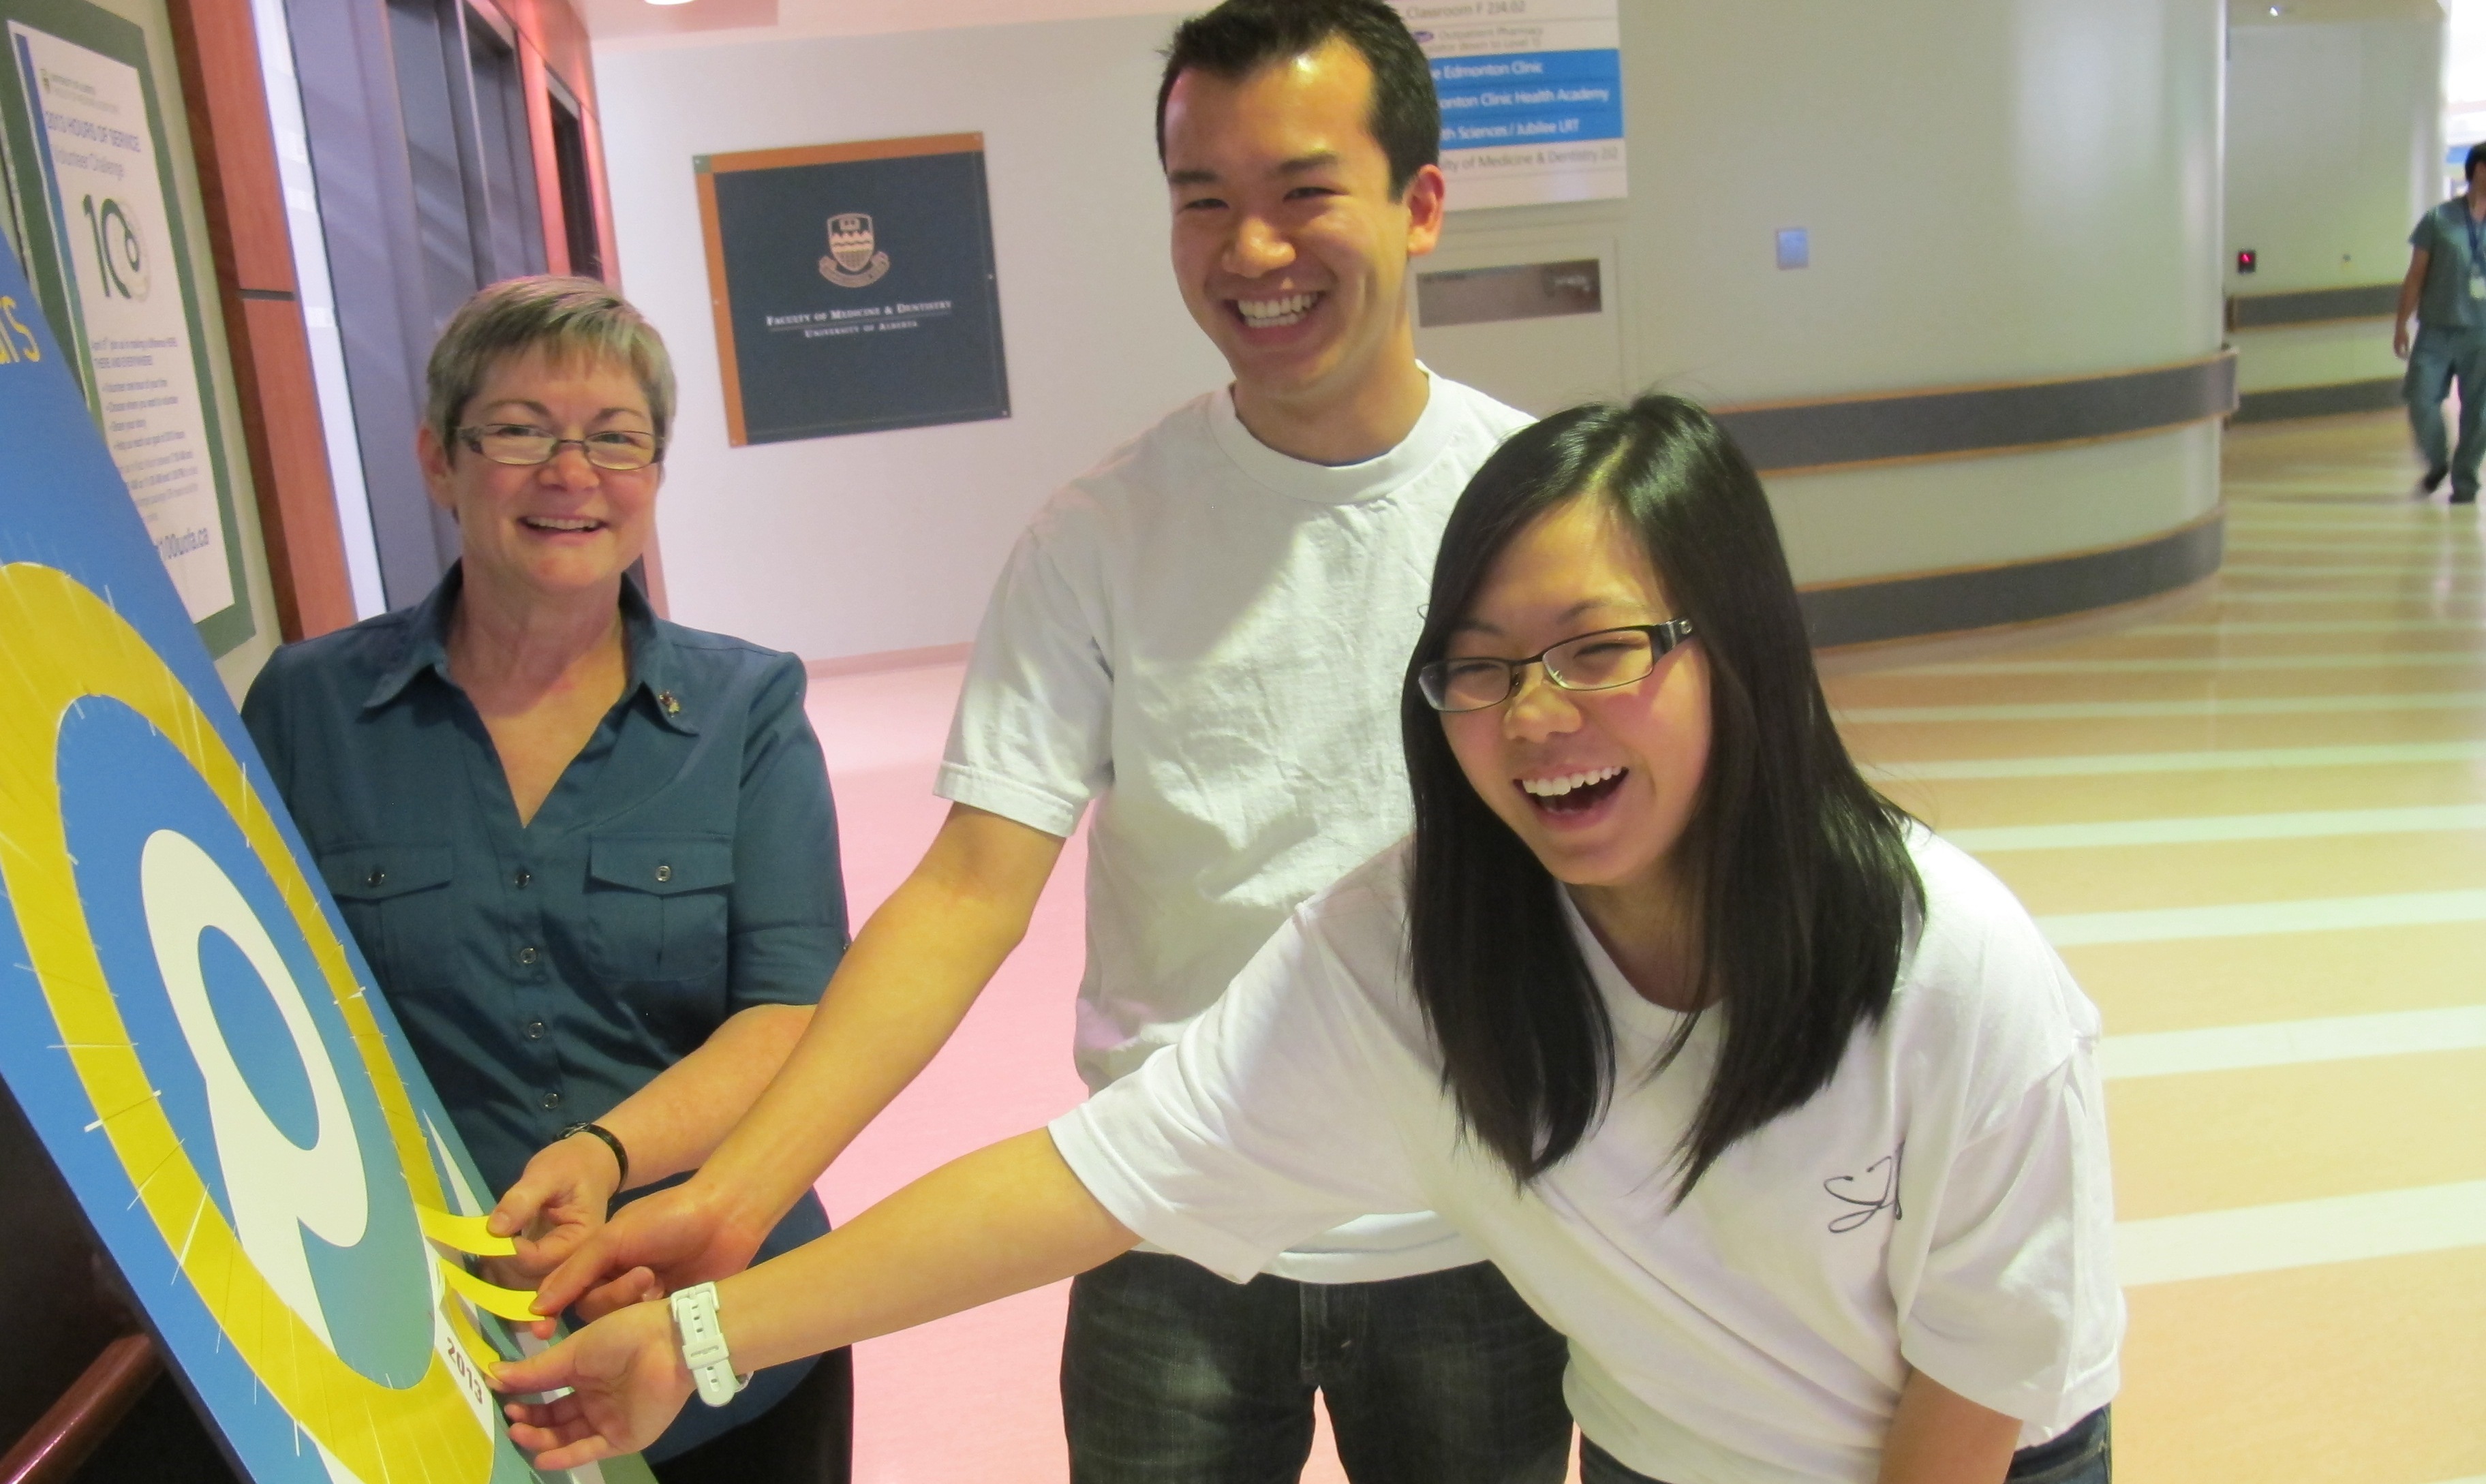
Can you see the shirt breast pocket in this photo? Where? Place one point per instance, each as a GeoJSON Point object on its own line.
{"type": "Point", "coordinates": [657, 905]}
{"type": "Point", "coordinates": [395, 899]}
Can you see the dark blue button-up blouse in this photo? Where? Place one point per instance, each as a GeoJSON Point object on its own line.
{"type": "Point", "coordinates": [684, 867]}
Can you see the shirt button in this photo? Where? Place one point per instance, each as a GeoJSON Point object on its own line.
{"type": "Point", "coordinates": [521, 879]}
{"type": "Point", "coordinates": [377, 877]}
{"type": "Point", "coordinates": [664, 873]}
{"type": "Point", "coordinates": [551, 1100]}
{"type": "Point", "coordinates": [534, 1029]}
{"type": "Point", "coordinates": [526, 955]}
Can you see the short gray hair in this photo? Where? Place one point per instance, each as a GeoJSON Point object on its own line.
{"type": "Point", "coordinates": [568, 320]}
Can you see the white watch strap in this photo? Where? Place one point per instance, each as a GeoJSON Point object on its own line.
{"type": "Point", "coordinates": [702, 1339]}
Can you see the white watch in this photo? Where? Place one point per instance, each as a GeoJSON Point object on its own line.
{"type": "Point", "coordinates": [702, 1339]}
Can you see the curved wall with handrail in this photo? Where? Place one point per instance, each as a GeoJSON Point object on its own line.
{"type": "Point", "coordinates": [1991, 392]}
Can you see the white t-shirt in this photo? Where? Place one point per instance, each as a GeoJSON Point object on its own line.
{"type": "Point", "coordinates": [1942, 1204]}
{"type": "Point", "coordinates": [1210, 638]}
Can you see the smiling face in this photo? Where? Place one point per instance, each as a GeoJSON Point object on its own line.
{"type": "Point", "coordinates": [1599, 784]}
{"type": "Point", "coordinates": [564, 527]}
{"type": "Point", "coordinates": [1289, 243]}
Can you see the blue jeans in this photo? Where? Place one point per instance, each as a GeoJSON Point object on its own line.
{"type": "Point", "coordinates": [2085, 1454]}
{"type": "Point", "coordinates": [2437, 359]}
{"type": "Point", "coordinates": [1172, 1375]}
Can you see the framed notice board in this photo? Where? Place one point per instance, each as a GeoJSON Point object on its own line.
{"type": "Point", "coordinates": [96, 216]}
{"type": "Point", "coordinates": [853, 287]}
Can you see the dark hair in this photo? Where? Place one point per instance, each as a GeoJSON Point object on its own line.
{"type": "Point", "coordinates": [2476, 158]}
{"type": "Point", "coordinates": [1799, 872]}
{"type": "Point", "coordinates": [1241, 37]}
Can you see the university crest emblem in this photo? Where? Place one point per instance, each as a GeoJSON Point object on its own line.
{"type": "Point", "coordinates": [852, 263]}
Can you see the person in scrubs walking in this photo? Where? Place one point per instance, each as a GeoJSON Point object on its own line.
{"type": "Point", "coordinates": [2446, 293]}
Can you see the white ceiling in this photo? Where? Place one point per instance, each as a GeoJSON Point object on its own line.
{"type": "Point", "coordinates": [634, 23]}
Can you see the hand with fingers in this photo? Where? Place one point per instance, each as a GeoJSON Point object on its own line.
{"type": "Point", "coordinates": [626, 1382]}
{"type": "Point", "coordinates": [656, 1244]}
{"type": "Point", "coordinates": [559, 1199]}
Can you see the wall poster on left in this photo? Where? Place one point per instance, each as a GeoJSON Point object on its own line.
{"type": "Point", "coordinates": [96, 218]}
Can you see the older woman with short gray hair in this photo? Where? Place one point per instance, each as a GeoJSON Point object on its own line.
{"type": "Point", "coordinates": [590, 855]}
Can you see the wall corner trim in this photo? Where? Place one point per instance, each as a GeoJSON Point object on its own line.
{"type": "Point", "coordinates": [1958, 600]}
{"type": "Point", "coordinates": [1881, 428]}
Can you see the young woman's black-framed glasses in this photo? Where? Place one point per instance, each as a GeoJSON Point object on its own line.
{"type": "Point", "coordinates": [1588, 661]}
{"type": "Point", "coordinates": [621, 450]}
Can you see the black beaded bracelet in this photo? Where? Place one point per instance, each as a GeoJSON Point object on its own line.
{"type": "Point", "coordinates": [621, 1156]}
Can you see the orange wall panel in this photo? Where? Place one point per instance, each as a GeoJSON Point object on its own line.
{"type": "Point", "coordinates": [278, 405]}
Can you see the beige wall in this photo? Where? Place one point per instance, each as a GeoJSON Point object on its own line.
{"type": "Point", "coordinates": [2334, 128]}
{"type": "Point", "coordinates": [890, 540]}
{"type": "Point", "coordinates": [1996, 190]}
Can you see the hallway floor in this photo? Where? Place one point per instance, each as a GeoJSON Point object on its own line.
{"type": "Point", "coordinates": [2254, 820]}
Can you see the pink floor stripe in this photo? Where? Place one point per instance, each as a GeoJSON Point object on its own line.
{"type": "Point", "coordinates": [973, 1397]}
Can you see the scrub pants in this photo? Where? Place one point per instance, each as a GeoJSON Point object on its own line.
{"type": "Point", "coordinates": [1172, 1375]}
{"type": "Point", "coordinates": [2440, 358]}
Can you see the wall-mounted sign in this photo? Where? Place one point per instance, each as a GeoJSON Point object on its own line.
{"type": "Point", "coordinates": [1532, 95]}
{"type": "Point", "coordinates": [96, 219]}
{"type": "Point", "coordinates": [853, 287]}
{"type": "Point", "coordinates": [188, 1029]}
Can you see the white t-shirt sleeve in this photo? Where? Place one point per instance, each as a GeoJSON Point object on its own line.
{"type": "Point", "coordinates": [1275, 1117]}
{"type": "Point", "coordinates": [1031, 738]}
{"type": "Point", "coordinates": [2016, 1306]}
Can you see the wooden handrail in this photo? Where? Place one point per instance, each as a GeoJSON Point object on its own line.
{"type": "Point", "coordinates": [62, 1438]}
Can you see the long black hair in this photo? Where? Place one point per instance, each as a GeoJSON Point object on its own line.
{"type": "Point", "coordinates": [1797, 872]}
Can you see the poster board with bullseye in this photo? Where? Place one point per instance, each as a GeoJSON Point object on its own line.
{"type": "Point", "coordinates": [187, 1026]}
{"type": "Point", "coordinates": [94, 207]}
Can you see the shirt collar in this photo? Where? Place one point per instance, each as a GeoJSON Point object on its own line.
{"type": "Point", "coordinates": [655, 668]}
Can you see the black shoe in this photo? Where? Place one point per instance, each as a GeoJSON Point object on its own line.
{"type": "Point", "coordinates": [2432, 481]}
{"type": "Point", "coordinates": [2464, 497]}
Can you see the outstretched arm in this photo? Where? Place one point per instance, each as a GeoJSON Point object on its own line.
{"type": "Point", "coordinates": [912, 975]}
{"type": "Point", "coordinates": [998, 1221]}
{"type": "Point", "coordinates": [666, 1126]}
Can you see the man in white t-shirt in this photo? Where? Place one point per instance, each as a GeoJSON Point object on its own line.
{"type": "Point", "coordinates": [1205, 636]}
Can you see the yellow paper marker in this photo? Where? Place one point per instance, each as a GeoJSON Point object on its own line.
{"type": "Point", "coordinates": [507, 1303]}
{"type": "Point", "coordinates": [465, 1233]}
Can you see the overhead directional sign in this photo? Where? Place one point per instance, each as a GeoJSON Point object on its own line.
{"type": "Point", "coordinates": [1532, 94]}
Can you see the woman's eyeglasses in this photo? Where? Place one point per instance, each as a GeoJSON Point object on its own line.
{"type": "Point", "coordinates": [1591, 662]}
{"type": "Point", "coordinates": [621, 450]}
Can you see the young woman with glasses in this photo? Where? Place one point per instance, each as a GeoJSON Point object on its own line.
{"type": "Point", "coordinates": [1781, 1108]}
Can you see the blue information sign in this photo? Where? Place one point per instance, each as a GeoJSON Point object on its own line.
{"type": "Point", "coordinates": [1530, 98]}
{"type": "Point", "coordinates": [1532, 94]}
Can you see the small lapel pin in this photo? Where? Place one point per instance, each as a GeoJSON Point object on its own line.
{"type": "Point", "coordinates": [665, 699]}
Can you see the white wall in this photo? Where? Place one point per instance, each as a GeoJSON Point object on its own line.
{"type": "Point", "coordinates": [2333, 130]}
{"type": "Point", "coordinates": [1997, 190]}
{"type": "Point", "coordinates": [878, 541]}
